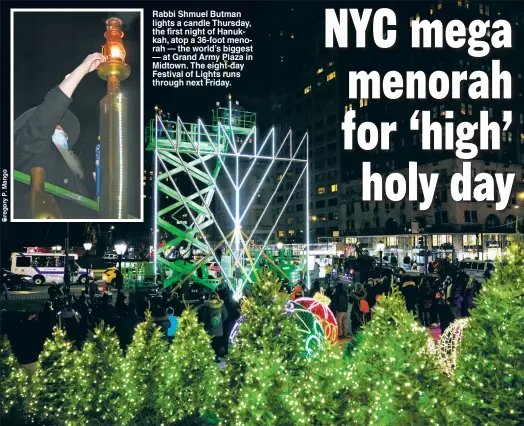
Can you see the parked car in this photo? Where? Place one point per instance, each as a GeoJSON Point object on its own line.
{"type": "Point", "coordinates": [16, 282]}
{"type": "Point", "coordinates": [110, 256]}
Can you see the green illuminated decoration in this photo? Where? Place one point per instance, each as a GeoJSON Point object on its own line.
{"type": "Point", "coordinates": [489, 375]}
{"type": "Point", "coordinates": [59, 192]}
{"type": "Point", "coordinates": [189, 157]}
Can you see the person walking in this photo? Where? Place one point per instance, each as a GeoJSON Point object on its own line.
{"type": "Point", "coordinates": [341, 307]}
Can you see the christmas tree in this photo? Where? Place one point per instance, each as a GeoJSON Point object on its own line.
{"type": "Point", "coordinates": [324, 388]}
{"type": "Point", "coordinates": [490, 367]}
{"type": "Point", "coordinates": [265, 360]}
{"type": "Point", "coordinates": [13, 380]}
{"type": "Point", "coordinates": [193, 379]}
{"type": "Point", "coordinates": [142, 376]}
{"type": "Point", "coordinates": [393, 378]}
{"type": "Point", "coordinates": [97, 382]}
{"type": "Point", "coordinates": [52, 383]}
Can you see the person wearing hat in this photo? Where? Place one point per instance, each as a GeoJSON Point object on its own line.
{"type": "Point", "coordinates": [297, 293]}
{"type": "Point", "coordinates": [44, 137]}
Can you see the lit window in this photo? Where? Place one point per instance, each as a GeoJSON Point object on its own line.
{"type": "Point", "coordinates": [307, 90]}
{"type": "Point", "coordinates": [418, 17]}
{"type": "Point", "coordinates": [336, 233]}
{"type": "Point", "coordinates": [281, 233]}
{"type": "Point", "coordinates": [292, 35]}
{"type": "Point", "coordinates": [331, 76]}
{"type": "Point", "coordinates": [145, 196]}
{"type": "Point", "coordinates": [439, 5]}
{"type": "Point", "coordinates": [279, 177]}
{"type": "Point", "coordinates": [410, 21]}
{"type": "Point", "coordinates": [330, 64]}
{"type": "Point", "coordinates": [313, 218]}
{"type": "Point", "coordinates": [481, 9]}
{"type": "Point", "coordinates": [348, 107]}
{"type": "Point", "coordinates": [363, 102]}
{"type": "Point", "coordinates": [291, 232]}
{"type": "Point", "coordinates": [463, 109]}
{"type": "Point", "coordinates": [431, 11]}
{"type": "Point", "coordinates": [486, 11]}
{"type": "Point", "coordinates": [459, 2]}
{"type": "Point", "coordinates": [334, 187]}
{"type": "Point", "coordinates": [321, 190]}
{"type": "Point", "coordinates": [320, 70]}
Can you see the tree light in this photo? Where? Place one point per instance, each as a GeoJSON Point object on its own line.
{"type": "Point", "coordinates": [88, 246]}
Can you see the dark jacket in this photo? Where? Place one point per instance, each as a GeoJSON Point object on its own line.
{"type": "Point", "coordinates": [341, 301]}
{"type": "Point", "coordinates": [410, 292]}
{"type": "Point", "coordinates": [355, 297]}
{"type": "Point", "coordinates": [34, 148]}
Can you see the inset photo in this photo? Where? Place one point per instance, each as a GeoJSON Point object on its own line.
{"type": "Point", "coordinates": [76, 112]}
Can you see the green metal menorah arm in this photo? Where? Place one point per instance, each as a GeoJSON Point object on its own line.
{"type": "Point", "coordinates": [59, 192]}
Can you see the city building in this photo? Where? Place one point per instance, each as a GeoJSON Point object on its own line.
{"type": "Point", "coordinates": [466, 226]}
{"type": "Point", "coordinates": [312, 94]}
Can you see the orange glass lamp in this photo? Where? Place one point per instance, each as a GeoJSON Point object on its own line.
{"type": "Point", "coordinates": [115, 69]}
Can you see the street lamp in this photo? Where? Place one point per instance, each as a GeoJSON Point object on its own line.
{"type": "Point", "coordinates": [280, 245]}
{"type": "Point", "coordinates": [120, 250]}
{"type": "Point", "coordinates": [58, 248]}
{"type": "Point", "coordinates": [87, 247]}
{"type": "Point", "coordinates": [54, 249]}
{"type": "Point", "coordinates": [380, 247]}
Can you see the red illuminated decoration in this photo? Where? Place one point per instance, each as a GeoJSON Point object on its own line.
{"type": "Point", "coordinates": [114, 69]}
{"type": "Point", "coordinates": [319, 306]}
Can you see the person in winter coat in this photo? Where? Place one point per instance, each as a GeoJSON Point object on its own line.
{"type": "Point", "coordinates": [44, 137]}
{"type": "Point", "coordinates": [358, 314]}
{"type": "Point", "coordinates": [443, 306]}
{"type": "Point", "coordinates": [215, 313]}
{"type": "Point", "coordinates": [425, 298]}
{"type": "Point", "coordinates": [341, 307]}
{"type": "Point", "coordinates": [410, 293]}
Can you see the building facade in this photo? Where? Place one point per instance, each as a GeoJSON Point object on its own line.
{"type": "Point", "coordinates": [312, 96]}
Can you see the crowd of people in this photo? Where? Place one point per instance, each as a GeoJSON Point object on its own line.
{"type": "Point", "coordinates": [79, 315]}
{"type": "Point", "coordinates": [435, 302]}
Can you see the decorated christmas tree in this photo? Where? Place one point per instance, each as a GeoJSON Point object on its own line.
{"type": "Point", "coordinates": [142, 376]}
{"type": "Point", "coordinates": [394, 380]}
{"type": "Point", "coordinates": [193, 379]}
{"type": "Point", "coordinates": [490, 367]}
{"type": "Point", "coordinates": [264, 361]}
{"type": "Point", "coordinates": [52, 383]}
{"type": "Point", "coordinates": [13, 380]}
{"type": "Point", "coordinates": [97, 381]}
{"type": "Point", "coordinates": [324, 388]}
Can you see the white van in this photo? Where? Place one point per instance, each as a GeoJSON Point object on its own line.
{"type": "Point", "coordinates": [48, 267]}
{"type": "Point", "coordinates": [476, 268]}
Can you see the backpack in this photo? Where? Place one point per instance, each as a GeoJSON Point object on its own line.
{"type": "Point", "coordinates": [216, 317]}
{"type": "Point", "coordinates": [364, 306]}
